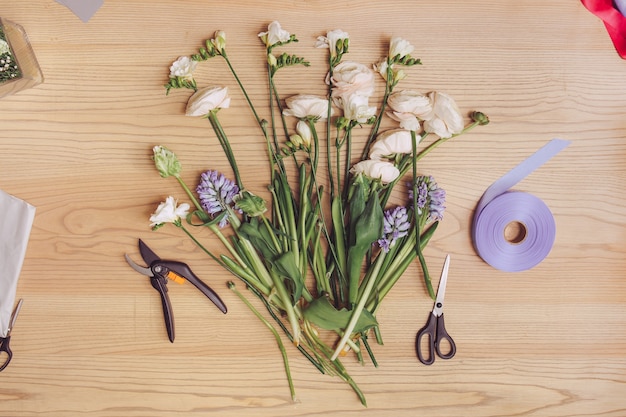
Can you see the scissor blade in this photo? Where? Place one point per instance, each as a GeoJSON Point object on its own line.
{"type": "Point", "coordinates": [147, 254]}
{"type": "Point", "coordinates": [141, 269]}
{"type": "Point", "coordinates": [15, 314]}
{"type": "Point", "coordinates": [441, 291]}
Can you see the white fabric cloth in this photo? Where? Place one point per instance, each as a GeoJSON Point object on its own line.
{"type": "Point", "coordinates": [16, 220]}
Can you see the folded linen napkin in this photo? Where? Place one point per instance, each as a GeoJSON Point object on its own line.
{"type": "Point", "coordinates": [16, 220]}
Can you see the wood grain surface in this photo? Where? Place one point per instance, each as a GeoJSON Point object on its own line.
{"type": "Point", "coordinates": [90, 339]}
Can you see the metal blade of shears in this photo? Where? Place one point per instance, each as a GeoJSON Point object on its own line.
{"type": "Point", "coordinates": [147, 254]}
{"type": "Point", "coordinates": [141, 269]}
{"type": "Point", "coordinates": [441, 291]}
{"type": "Point", "coordinates": [14, 315]}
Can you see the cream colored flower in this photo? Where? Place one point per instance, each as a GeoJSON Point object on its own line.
{"type": "Point", "coordinates": [407, 107]}
{"type": "Point", "coordinates": [381, 68]}
{"type": "Point", "coordinates": [356, 107]}
{"type": "Point", "coordinates": [331, 39]}
{"type": "Point", "coordinates": [391, 142]}
{"type": "Point", "coordinates": [274, 34]}
{"type": "Point", "coordinates": [351, 77]}
{"type": "Point", "coordinates": [183, 67]}
{"type": "Point", "coordinates": [208, 99]}
{"type": "Point", "coordinates": [219, 41]}
{"type": "Point", "coordinates": [304, 132]}
{"type": "Point", "coordinates": [398, 74]}
{"type": "Point", "coordinates": [386, 172]}
{"type": "Point", "coordinates": [169, 212]}
{"type": "Point", "coordinates": [401, 47]}
{"type": "Point", "coordinates": [445, 119]}
{"type": "Point", "coordinates": [305, 105]}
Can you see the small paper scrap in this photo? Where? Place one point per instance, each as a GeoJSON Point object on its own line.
{"type": "Point", "coordinates": [84, 9]}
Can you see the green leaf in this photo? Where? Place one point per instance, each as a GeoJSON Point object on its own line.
{"type": "Point", "coordinates": [357, 205]}
{"type": "Point", "coordinates": [259, 237]}
{"type": "Point", "coordinates": [340, 239]}
{"type": "Point", "coordinates": [368, 228]}
{"type": "Point", "coordinates": [324, 315]}
{"type": "Point", "coordinates": [286, 266]}
{"type": "Point", "coordinates": [204, 218]}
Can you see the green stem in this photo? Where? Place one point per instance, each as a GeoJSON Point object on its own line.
{"type": "Point", "coordinates": [232, 70]}
{"type": "Point", "coordinates": [228, 151]}
{"type": "Point", "coordinates": [416, 219]}
{"type": "Point", "coordinates": [283, 352]}
{"type": "Point", "coordinates": [383, 107]}
{"type": "Point", "coordinates": [191, 196]}
{"type": "Point", "coordinates": [356, 313]}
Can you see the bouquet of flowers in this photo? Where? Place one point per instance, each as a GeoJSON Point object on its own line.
{"type": "Point", "coordinates": [320, 257]}
{"type": "Point", "coordinates": [8, 65]}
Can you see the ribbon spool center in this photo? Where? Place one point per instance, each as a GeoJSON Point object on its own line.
{"type": "Point", "coordinates": [515, 232]}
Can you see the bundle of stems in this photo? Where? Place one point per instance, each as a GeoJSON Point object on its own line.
{"type": "Point", "coordinates": [320, 260]}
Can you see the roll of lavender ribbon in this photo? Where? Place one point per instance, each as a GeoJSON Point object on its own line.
{"type": "Point", "coordinates": [532, 222]}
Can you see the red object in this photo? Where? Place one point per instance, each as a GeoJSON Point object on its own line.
{"type": "Point", "coordinates": [614, 21]}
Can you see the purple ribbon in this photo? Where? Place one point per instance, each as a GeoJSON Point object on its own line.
{"type": "Point", "coordinates": [500, 208]}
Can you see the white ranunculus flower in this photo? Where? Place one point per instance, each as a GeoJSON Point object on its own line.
{"type": "Point", "coordinates": [183, 67]}
{"type": "Point", "coordinates": [306, 105]}
{"type": "Point", "coordinates": [399, 46]}
{"type": "Point", "coordinates": [385, 171]}
{"type": "Point", "coordinates": [275, 34]}
{"type": "Point", "coordinates": [331, 39]}
{"type": "Point", "coordinates": [407, 121]}
{"type": "Point", "coordinates": [352, 77]}
{"type": "Point", "coordinates": [168, 212]}
{"type": "Point", "coordinates": [445, 119]}
{"type": "Point", "coordinates": [407, 101]}
{"type": "Point", "coordinates": [391, 142]}
{"type": "Point", "coordinates": [208, 99]}
{"type": "Point", "coordinates": [356, 107]}
{"type": "Point", "coordinates": [407, 107]}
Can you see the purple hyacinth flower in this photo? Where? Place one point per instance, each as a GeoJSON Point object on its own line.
{"type": "Point", "coordinates": [429, 196]}
{"type": "Point", "coordinates": [396, 225]}
{"type": "Point", "coordinates": [216, 193]}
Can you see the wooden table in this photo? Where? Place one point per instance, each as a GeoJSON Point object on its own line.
{"type": "Point", "coordinates": [90, 340]}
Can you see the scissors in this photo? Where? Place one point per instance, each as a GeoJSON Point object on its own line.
{"type": "Point", "coordinates": [160, 272]}
{"type": "Point", "coordinates": [435, 328]}
{"type": "Point", "coordinates": [5, 350]}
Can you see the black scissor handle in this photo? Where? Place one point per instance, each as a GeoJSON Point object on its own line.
{"type": "Point", "coordinates": [160, 284]}
{"type": "Point", "coordinates": [184, 271]}
{"type": "Point", "coordinates": [442, 334]}
{"type": "Point", "coordinates": [430, 331]}
{"type": "Point", "coordinates": [4, 347]}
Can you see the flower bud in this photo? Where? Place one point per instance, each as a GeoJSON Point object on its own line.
{"type": "Point", "coordinates": [271, 59]}
{"type": "Point", "coordinates": [479, 117]}
{"type": "Point", "coordinates": [295, 141]}
{"type": "Point", "coordinates": [304, 132]}
{"type": "Point", "coordinates": [250, 204]}
{"type": "Point", "coordinates": [342, 122]}
{"type": "Point", "coordinates": [166, 162]}
{"type": "Point", "coordinates": [219, 41]}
